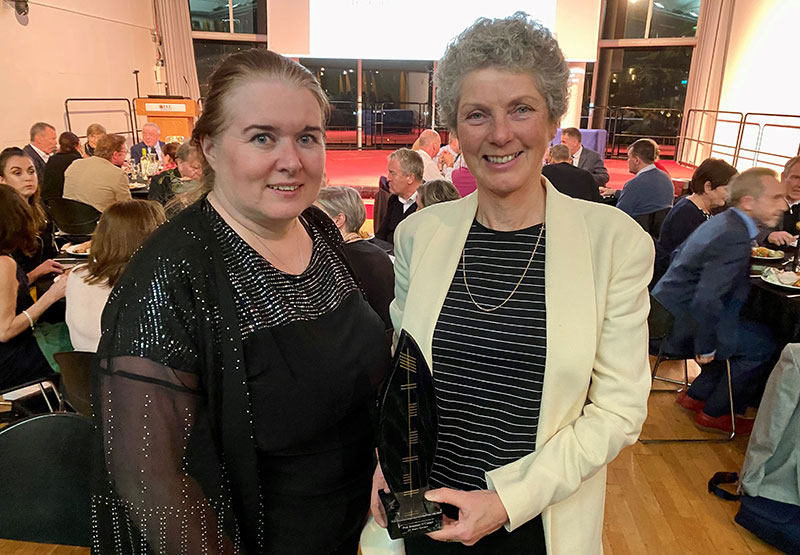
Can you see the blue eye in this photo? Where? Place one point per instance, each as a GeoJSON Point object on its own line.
{"type": "Point", "coordinates": [261, 139]}
{"type": "Point", "coordinates": [524, 109]}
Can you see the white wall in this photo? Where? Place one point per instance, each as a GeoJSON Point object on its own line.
{"type": "Point", "coordinates": [72, 48]}
{"type": "Point", "coordinates": [761, 75]}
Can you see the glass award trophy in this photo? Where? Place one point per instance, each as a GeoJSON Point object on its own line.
{"type": "Point", "coordinates": [407, 442]}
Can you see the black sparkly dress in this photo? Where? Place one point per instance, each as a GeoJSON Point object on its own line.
{"type": "Point", "coordinates": [235, 401]}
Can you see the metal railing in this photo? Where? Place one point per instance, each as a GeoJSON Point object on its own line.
{"type": "Point", "coordinates": [626, 124]}
{"type": "Point", "coordinates": [770, 132]}
{"type": "Point", "coordinates": [132, 131]}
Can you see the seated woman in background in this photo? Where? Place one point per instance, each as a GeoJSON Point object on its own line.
{"type": "Point", "coordinates": [436, 191]}
{"type": "Point", "coordinates": [371, 265]}
{"type": "Point", "coordinates": [21, 360]}
{"type": "Point", "coordinates": [121, 230]}
{"type": "Point", "coordinates": [709, 186]}
{"type": "Point", "coordinates": [18, 171]}
{"type": "Point", "coordinates": [184, 176]}
{"type": "Point", "coordinates": [69, 150]}
{"type": "Point", "coordinates": [168, 153]}
{"type": "Point", "coordinates": [93, 132]}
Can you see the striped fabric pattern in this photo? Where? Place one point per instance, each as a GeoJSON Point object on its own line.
{"type": "Point", "coordinates": [488, 367]}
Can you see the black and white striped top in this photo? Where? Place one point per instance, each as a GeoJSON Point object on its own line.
{"type": "Point", "coordinates": [489, 366]}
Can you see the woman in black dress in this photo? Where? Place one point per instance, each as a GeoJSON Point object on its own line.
{"type": "Point", "coordinates": [371, 265]}
{"type": "Point", "coordinates": [21, 360]}
{"type": "Point", "coordinates": [18, 171]}
{"type": "Point", "coordinates": [239, 360]}
{"type": "Point", "coordinates": [68, 151]}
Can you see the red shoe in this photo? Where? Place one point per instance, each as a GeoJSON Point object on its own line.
{"type": "Point", "coordinates": [688, 403]}
{"type": "Point", "coordinates": [723, 423]}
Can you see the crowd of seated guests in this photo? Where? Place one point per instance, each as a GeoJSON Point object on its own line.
{"type": "Point", "coordinates": [122, 229]}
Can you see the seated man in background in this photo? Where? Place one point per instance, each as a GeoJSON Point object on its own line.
{"type": "Point", "coordinates": [99, 180]}
{"type": "Point", "coordinates": [705, 287]}
{"type": "Point", "coordinates": [584, 158]}
{"type": "Point", "coordinates": [429, 144]}
{"type": "Point", "coordinates": [405, 176]}
{"type": "Point", "coordinates": [785, 232]}
{"type": "Point", "coordinates": [569, 179]}
{"type": "Point", "coordinates": [41, 147]}
{"type": "Point", "coordinates": [188, 167]}
{"type": "Point", "coordinates": [650, 190]}
{"type": "Point", "coordinates": [150, 144]}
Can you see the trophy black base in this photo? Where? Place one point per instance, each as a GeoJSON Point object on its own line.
{"type": "Point", "coordinates": [410, 515]}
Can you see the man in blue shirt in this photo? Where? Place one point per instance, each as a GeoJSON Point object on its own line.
{"type": "Point", "coordinates": [706, 286]}
{"type": "Point", "coordinates": [651, 190]}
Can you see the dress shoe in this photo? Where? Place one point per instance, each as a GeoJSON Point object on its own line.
{"type": "Point", "coordinates": [689, 404]}
{"type": "Point", "coordinates": [723, 423]}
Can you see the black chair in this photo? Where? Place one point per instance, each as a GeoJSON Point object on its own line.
{"type": "Point", "coordinates": [76, 387]}
{"type": "Point", "coordinates": [44, 479]}
{"type": "Point", "coordinates": [51, 379]}
{"type": "Point", "coordinates": [660, 323]}
{"type": "Point", "coordinates": [73, 218]}
{"type": "Point", "coordinates": [653, 221]}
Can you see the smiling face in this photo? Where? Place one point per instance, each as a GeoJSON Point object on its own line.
{"type": "Point", "coordinates": [150, 135]}
{"type": "Point", "coordinates": [269, 159]}
{"type": "Point", "coordinates": [20, 173]}
{"type": "Point", "coordinates": [504, 130]}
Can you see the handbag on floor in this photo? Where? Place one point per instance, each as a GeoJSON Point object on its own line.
{"type": "Point", "coordinates": [769, 487]}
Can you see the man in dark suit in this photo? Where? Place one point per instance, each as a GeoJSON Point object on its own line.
{"type": "Point", "coordinates": [584, 158]}
{"type": "Point", "coordinates": [651, 190]}
{"type": "Point", "coordinates": [705, 287]}
{"type": "Point", "coordinates": [786, 232]}
{"type": "Point", "coordinates": [568, 179]}
{"type": "Point", "coordinates": [405, 176]}
{"type": "Point", "coordinates": [150, 143]}
{"type": "Point", "coordinates": [42, 145]}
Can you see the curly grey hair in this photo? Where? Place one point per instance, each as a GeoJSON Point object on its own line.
{"type": "Point", "coordinates": [515, 44]}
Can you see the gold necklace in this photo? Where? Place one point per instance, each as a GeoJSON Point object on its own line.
{"type": "Point", "coordinates": [464, 275]}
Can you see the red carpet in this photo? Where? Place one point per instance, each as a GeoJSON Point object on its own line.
{"type": "Point", "coordinates": [364, 168]}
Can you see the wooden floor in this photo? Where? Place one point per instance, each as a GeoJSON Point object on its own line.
{"type": "Point", "coordinates": [657, 500]}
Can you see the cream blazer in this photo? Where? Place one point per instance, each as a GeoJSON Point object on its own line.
{"type": "Point", "coordinates": [596, 383]}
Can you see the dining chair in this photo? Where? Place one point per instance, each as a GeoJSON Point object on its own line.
{"type": "Point", "coordinates": [73, 218]}
{"type": "Point", "coordinates": [76, 368]}
{"type": "Point", "coordinates": [44, 479]}
{"type": "Point", "coordinates": [660, 322]}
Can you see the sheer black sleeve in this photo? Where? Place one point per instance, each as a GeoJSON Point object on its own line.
{"type": "Point", "coordinates": [161, 487]}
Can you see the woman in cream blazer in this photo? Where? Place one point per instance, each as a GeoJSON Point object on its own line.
{"type": "Point", "coordinates": [597, 264]}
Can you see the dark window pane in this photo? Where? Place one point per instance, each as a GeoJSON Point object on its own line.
{"type": "Point", "coordinates": [652, 81]}
{"type": "Point", "coordinates": [625, 19]}
{"type": "Point", "coordinates": [250, 16]}
{"type": "Point", "coordinates": [210, 15]}
{"type": "Point", "coordinates": [208, 53]}
{"type": "Point", "coordinates": [674, 18]}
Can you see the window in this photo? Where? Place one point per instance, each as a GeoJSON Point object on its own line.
{"type": "Point", "coordinates": [229, 16]}
{"type": "Point", "coordinates": [650, 19]}
{"type": "Point", "coordinates": [208, 53]}
{"type": "Point", "coordinates": [222, 27]}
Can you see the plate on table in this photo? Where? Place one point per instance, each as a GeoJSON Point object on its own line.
{"type": "Point", "coordinates": [781, 278]}
{"type": "Point", "coordinates": [763, 253]}
{"type": "Point", "coordinates": [72, 250]}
